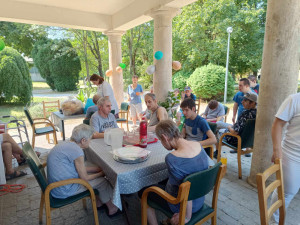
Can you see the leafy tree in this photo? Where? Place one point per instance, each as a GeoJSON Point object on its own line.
{"type": "Point", "coordinates": [179, 79]}
{"type": "Point", "coordinates": [208, 82]}
{"type": "Point", "coordinates": [22, 36]}
{"type": "Point", "coordinates": [58, 63]}
{"type": "Point", "coordinates": [15, 80]}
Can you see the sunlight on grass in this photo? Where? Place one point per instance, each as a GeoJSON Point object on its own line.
{"type": "Point", "coordinates": [40, 85]}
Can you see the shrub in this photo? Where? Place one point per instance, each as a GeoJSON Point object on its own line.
{"type": "Point", "coordinates": [179, 79]}
{"type": "Point", "coordinates": [58, 63]}
{"type": "Point", "coordinates": [15, 80]}
{"type": "Point", "coordinates": [208, 82]}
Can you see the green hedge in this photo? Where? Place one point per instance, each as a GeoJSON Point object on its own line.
{"type": "Point", "coordinates": [15, 80]}
{"type": "Point", "coordinates": [179, 79]}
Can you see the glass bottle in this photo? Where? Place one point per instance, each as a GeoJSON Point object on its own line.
{"type": "Point", "coordinates": [143, 133]}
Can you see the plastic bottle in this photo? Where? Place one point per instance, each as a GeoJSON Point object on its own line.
{"type": "Point", "coordinates": [182, 119]}
{"type": "Point", "coordinates": [143, 133]}
{"type": "Point", "coordinates": [224, 158]}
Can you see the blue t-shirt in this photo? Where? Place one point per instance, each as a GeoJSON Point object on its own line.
{"type": "Point", "coordinates": [100, 124]}
{"type": "Point", "coordinates": [196, 129]}
{"type": "Point", "coordinates": [135, 99]}
{"type": "Point", "coordinates": [61, 166]}
{"type": "Point", "coordinates": [178, 169]}
{"type": "Point", "coordinates": [89, 103]}
{"type": "Point", "coordinates": [238, 98]}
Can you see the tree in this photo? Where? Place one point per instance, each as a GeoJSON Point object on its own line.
{"type": "Point", "coordinates": [15, 80]}
{"type": "Point", "coordinates": [22, 36]}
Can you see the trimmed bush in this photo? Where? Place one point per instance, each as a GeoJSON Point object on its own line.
{"type": "Point", "coordinates": [208, 82]}
{"type": "Point", "coordinates": [15, 80]}
{"type": "Point", "coordinates": [179, 79]}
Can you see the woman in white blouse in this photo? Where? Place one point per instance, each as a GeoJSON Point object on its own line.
{"type": "Point", "coordinates": [105, 90]}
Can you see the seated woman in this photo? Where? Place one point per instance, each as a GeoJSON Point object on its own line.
{"type": "Point", "coordinates": [188, 158]}
{"type": "Point", "coordinates": [9, 148]}
{"type": "Point", "coordinates": [66, 161]}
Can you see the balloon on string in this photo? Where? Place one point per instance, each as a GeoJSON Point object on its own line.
{"type": "Point", "coordinates": [119, 69]}
{"type": "Point", "coordinates": [108, 73]}
{"type": "Point", "coordinates": [158, 55]}
{"type": "Point", "coordinates": [176, 65]}
{"type": "Point", "coordinates": [150, 70]}
{"type": "Point", "coordinates": [122, 65]}
{"type": "Point", "coordinates": [2, 45]}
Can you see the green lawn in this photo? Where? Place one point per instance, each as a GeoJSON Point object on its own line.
{"type": "Point", "coordinates": [40, 85]}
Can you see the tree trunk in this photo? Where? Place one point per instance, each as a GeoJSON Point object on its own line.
{"type": "Point", "coordinates": [280, 68]}
{"type": "Point", "coordinates": [84, 34]}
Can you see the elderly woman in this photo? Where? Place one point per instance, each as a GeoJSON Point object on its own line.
{"type": "Point", "coordinates": [188, 157]}
{"type": "Point", "coordinates": [105, 90]}
{"type": "Point", "coordinates": [66, 161]}
{"type": "Point", "coordinates": [9, 147]}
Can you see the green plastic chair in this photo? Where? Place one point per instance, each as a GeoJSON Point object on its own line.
{"type": "Point", "coordinates": [193, 186]}
{"type": "Point", "coordinates": [124, 114]}
{"type": "Point", "coordinates": [245, 140]}
{"type": "Point", "coordinates": [46, 198]}
{"type": "Point", "coordinates": [48, 129]}
{"type": "Point", "coordinates": [227, 110]}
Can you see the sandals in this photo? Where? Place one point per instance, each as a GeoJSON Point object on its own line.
{"type": "Point", "coordinates": [15, 175]}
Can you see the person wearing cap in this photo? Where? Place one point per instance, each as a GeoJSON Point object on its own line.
{"type": "Point", "coordinates": [134, 92]}
{"type": "Point", "coordinates": [188, 93]}
{"type": "Point", "coordinates": [249, 103]}
{"type": "Point", "coordinates": [244, 87]}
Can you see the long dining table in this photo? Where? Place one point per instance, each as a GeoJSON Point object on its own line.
{"type": "Point", "coordinates": [128, 178]}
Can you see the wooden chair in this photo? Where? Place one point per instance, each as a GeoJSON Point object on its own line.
{"type": "Point", "coordinates": [245, 140]}
{"type": "Point", "coordinates": [124, 114]}
{"type": "Point", "coordinates": [213, 127]}
{"type": "Point", "coordinates": [193, 186]}
{"type": "Point", "coordinates": [227, 110]}
{"type": "Point", "coordinates": [50, 202]}
{"type": "Point", "coordinates": [197, 102]}
{"type": "Point", "coordinates": [49, 106]}
{"type": "Point", "coordinates": [264, 192]}
{"type": "Point", "coordinates": [48, 129]}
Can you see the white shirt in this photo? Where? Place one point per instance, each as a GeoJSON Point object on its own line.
{"type": "Point", "coordinates": [289, 111]}
{"type": "Point", "coordinates": [105, 89]}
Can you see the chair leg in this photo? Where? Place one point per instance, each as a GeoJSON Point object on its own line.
{"type": "Point", "coordinates": [127, 126]}
{"type": "Point", "coordinates": [48, 138]}
{"type": "Point", "coordinates": [33, 140]}
{"type": "Point", "coordinates": [239, 163]}
{"type": "Point", "coordinates": [41, 208]}
{"type": "Point", "coordinates": [54, 137]}
{"type": "Point", "coordinates": [211, 152]}
{"type": "Point", "coordinates": [48, 212]}
{"type": "Point", "coordinates": [214, 220]}
{"type": "Point", "coordinates": [93, 199]}
{"type": "Point", "coordinates": [84, 203]}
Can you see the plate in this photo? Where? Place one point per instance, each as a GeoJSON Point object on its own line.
{"type": "Point", "coordinates": [130, 161]}
{"type": "Point", "coordinates": [131, 153]}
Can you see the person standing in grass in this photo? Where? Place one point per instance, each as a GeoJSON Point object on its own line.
{"type": "Point", "coordinates": [134, 92]}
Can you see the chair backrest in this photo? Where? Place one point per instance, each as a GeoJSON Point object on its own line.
{"type": "Point", "coordinates": [27, 113]}
{"type": "Point", "coordinates": [86, 121]}
{"type": "Point", "coordinates": [49, 107]}
{"type": "Point", "coordinates": [264, 192]}
{"type": "Point", "coordinates": [202, 182]}
{"type": "Point", "coordinates": [213, 127]}
{"type": "Point", "coordinates": [226, 109]}
{"type": "Point", "coordinates": [35, 166]}
{"type": "Point", "coordinates": [247, 135]}
{"type": "Point", "coordinates": [124, 106]}
{"type": "Point", "coordinates": [197, 102]}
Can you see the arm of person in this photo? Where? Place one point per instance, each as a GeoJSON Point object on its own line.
{"type": "Point", "coordinates": [161, 115]}
{"type": "Point", "coordinates": [93, 169]}
{"type": "Point", "coordinates": [211, 139]}
{"type": "Point", "coordinates": [97, 135]}
{"type": "Point", "coordinates": [221, 114]}
{"type": "Point", "coordinates": [96, 125]}
{"type": "Point", "coordinates": [235, 108]}
{"type": "Point", "coordinates": [80, 167]}
{"type": "Point", "coordinates": [231, 130]}
{"type": "Point", "coordinates": [277, 137]}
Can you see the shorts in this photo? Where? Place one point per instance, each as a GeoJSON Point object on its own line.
{"type": "Point", "coordinates": [135, 109]}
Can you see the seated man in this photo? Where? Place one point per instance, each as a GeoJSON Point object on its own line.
{"type": "Point", "coordinates": [92, 109]}
{"type": "Point", "coordinates": [214, 112]}
{"type": "Point", "coordinates": [195, 127]}
{"type": "Point", "coordinates": [66, 161]}
{"type": "Point", "coordinates": [188, 93]}
{"type": "Point", "coordinates": [249, 103]}
{"type": "Point", "coordinates": [157, 113]}
{"type": "Point", "coordinates": [103, 119]}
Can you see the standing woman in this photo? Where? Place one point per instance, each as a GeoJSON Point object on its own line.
{"type": "Point", "coordinates": [134, 92]}
{"type": "Point", "coordinates": [105, 90]}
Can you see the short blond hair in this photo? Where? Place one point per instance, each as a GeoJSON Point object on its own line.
{"type": "Point", "coordinates": [102, 100]}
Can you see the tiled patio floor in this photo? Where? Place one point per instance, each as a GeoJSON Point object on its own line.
{"type": "Point", "coordinates": [237, 203]}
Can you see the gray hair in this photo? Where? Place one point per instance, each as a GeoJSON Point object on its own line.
{"type": "Point", "coordinates": [102, 100]}
{"type": "Point", "coordinates": [82, 131]}
{"type": "Point", "coordinates": [151, 95]}
{"type": "Point", "coordinates": [168, 128]}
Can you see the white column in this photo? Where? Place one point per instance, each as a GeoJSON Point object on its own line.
{"type": "Point", "coordinates": [279, 77]}
{"type": "Point", "coordinates": [115, 58]}
{"type": "Point", "coordinates": [162, 78]}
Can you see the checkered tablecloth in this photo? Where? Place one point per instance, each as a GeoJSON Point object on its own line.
{"type": "Point", "coordinates": [128, 178]}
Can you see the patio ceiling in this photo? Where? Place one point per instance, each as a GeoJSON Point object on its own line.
{"type": "Point", "coordinates": [98, 15]}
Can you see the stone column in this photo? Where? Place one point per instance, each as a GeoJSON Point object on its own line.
{"type": "Point", "coordinates": [279, 77]}
{"type": "Point", "coordinates": [162, 78]}
{"type": "Point", "coordinates": [115, 58]}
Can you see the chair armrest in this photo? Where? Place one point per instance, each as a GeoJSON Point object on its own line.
{"type": "Point", "coordinates": [41, 119]}
{"type": "Point", "coordinates": [44, 164]}
{"type": "Point", "coordinates": [45, 122]}
{"type": "Point", "coordinates": [220, 143]}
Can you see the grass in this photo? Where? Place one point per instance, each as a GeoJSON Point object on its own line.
{"type": "Point", "coordinates": [40, 85]}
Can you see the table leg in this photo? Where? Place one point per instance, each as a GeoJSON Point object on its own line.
{"type": "Point", "coordinates": [63, 129]}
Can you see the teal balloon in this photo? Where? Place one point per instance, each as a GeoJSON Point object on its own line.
{"type": "Point", "coordinates": [158, 55]}
{"type": "Point", "coordinates": [2, 45]}
{"type": "Point", "coordinates": [122, 65]}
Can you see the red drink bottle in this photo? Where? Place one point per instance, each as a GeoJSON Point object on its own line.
{"type": "Point", "coordinates": [143, 133]}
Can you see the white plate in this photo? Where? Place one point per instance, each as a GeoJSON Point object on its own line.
{"type": "Point", "coordinates": [131, 153]}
